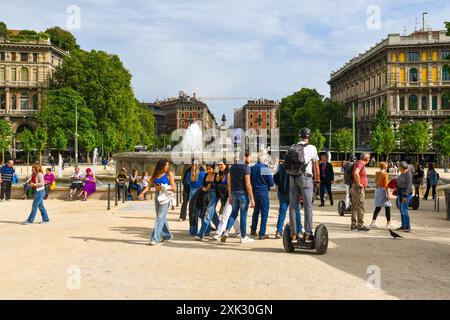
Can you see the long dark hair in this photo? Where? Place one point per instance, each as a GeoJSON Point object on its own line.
{"type": "Point", "coordinates": [159, 168]}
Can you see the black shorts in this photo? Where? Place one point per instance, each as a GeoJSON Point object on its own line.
{"type": "Point", "coordinates": [77, 186]}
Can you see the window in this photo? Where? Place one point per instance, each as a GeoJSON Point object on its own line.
{"type": "Point", "coordinates": [24, 74]}
{"type": "Point", "coordinates": [182, 123]}
{"type": "Point", "coordinates": [35, 57]}
{"type": "Point", "coordinates": [268, 115]}
{"type": "Point", "coordinates": [2, 101]}
{"type": "Point", "coordinates": [2, 56]}
{"type": "Point", "coordinates": [445, 102]}
{"type": "Point", "coordinates": [35, 102]}
{"type": "Point", "coordinates": [445, 55]}
{"type": "Point", "coordinates": [434, 103]}
{"type": "Point", "coordinates": [13, 102]}
{"type": "Point", "coordinates": [413, 75]}
{"type": "Point", "coordinates": [267, 124]}
{"type": "Point", "coordinates": [24, 101]}
{"type": "Point", "coordinates": [24, 57]}
{"type": "Point", "coordinates": [402, 103]}
{"type": "Point", "coordinates": [413, 56]}
{"type": "Point", "coordinates": [413, 102]}
{"type": "Point", "coordinates": [445, 73]}
{"type": "Point", "coordinates": [424, 103]}
{"type": "Point", "coordinates": [13, 74]}
{"type": "Point", "coordinates": [182, 116]}
{"type": "Point", "coordinates": [13, 56]}
{"type": "Point", "coordinates": [35, 75]}
{"type": "Point", "coordinates": [251, 115]}
{"type": "Point", "coordinates": [2, 74]}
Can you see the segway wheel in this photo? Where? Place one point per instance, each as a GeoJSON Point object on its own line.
{"type": "Point", "coordinates": [415, 202]}
{"type": "Point", "coordinates": [321, 239]}
{"type": "Point", "coordinates": [341, 208]}
{"type": "Point", "coordinates": [287, 242]}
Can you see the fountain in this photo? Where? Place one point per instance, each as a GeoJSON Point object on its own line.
{"type": "Point", "coordinates": [94, 157]}
{"type": "Point", "coordinates": [60, 164]}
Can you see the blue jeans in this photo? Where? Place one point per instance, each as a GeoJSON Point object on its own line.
{"type": "Point", "coordinates": [210, 213]}
{"type": "Point", "coordinates": [194, 228]}
{"type": "Point", "coordinates": [38, 202]}
{"type": "Point", "coordinates": [161, 225]}
{"type": "Point", "coordinates": [404, 210]}
{"type": "Point", "coordinates": [240, 202]}
{"type": "Point", "coordinates": [262, 205]}
{"type": "Point", "coordinates": [284, 205]}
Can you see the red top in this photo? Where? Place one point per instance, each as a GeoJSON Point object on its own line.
{"type": "Point", "coordinates": [362, 173]}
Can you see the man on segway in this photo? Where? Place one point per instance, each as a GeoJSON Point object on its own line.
{"type": "Point", "coordinates": [302, 165]}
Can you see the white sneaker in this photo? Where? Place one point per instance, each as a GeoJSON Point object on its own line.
{"type": "Point", "coordinates": [373, 225]}
{"type": "Point", "coordinates": [25, 223]}
{"type": "Point", "coordinates": [44, 222]}
{"type": "Point", "coordinates": [246, 240]}
{"type": "Point", "coordinates": [153, 243]}
{"type": "Point", "coordinates": [215, 237]}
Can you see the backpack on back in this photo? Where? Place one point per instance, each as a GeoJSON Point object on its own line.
{"type": "Point", "coordinates": [348, 173]}
{"type": "Point", "coordinates": [295, 164]}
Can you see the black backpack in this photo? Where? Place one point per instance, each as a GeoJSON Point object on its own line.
{"type": "Point", "coordinates": [348, 173]}
{"type": "Point", "coordinates": [295, 164]}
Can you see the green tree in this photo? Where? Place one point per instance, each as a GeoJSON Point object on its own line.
{"type": "Point", "coordinates": [40, 136]}
{"type": "Point", "coordinates": [317, 139]}
{"type": "Point", "coordinates": [415, 137]}
{"type": "Point", "coordinates": [88, 141]}
{"type": "Point", "coordinates": [342, 141]}
{"type": "Point", "coordinates": [441, 139]}
{"type": "Point", "coordinates": [28, 143]}
{"type": "Point", "coordinates": [59, 140]}
{"type": "Point", "coordinates": [105, 85]}
{"type": "Point", "coordinates": [5, 137]}
{"type": "Point", "coordinates": [383, 137]}
{"type": "Point", "coordinates": [148, 127]}
{"type": "Point", "coordinates": [3, 29]}
{"type": "Point", "coordinates": [62, 39]}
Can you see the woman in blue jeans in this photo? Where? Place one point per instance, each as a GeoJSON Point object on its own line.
{"type": "Point", "coordinates": [195, 180]}
{"type": "Point", "coordinates": [209, 185]}
{"type": "Point", "coordinates": [162, 178]}
{"type": "Point", "coordinates": [38, 202]}
{"type": "Point", "coordinates": [404, 193]}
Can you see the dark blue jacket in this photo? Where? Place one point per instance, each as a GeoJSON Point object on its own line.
{"type": "Point", "coordinates": [329, 172]}
{"type": "Point", "coordinates": [7, 173]}
{"type": "Point", "coordinates": [261, 178]}
{"type": "Point", "coordinates": [281, 179]}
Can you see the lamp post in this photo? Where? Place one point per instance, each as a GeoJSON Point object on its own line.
{"type": "Point", "coordinates": [76, 133]}
{"type": "Point", "coordinates": [354, 129]}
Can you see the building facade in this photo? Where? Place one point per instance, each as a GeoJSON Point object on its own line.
{"type": "Point", "coordinates": [26, 68]}
{"type": "Point", "coordinates": [406, 73]}
{"type": "Point", "coordinates": [260, 115]}
{"type": "Point", "coordinates": [181, 112]}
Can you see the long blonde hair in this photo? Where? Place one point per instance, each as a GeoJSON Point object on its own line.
{"type": "Point", "coordinates": [37, 167]}
{"type": "Point", "coordinates": [195, 171]}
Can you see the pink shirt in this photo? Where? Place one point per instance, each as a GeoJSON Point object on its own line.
{"type": "Point", "coordinates": [362, 173]}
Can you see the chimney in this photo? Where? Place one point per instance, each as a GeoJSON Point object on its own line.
{"type": "Point", "coordinates": [193, 95]}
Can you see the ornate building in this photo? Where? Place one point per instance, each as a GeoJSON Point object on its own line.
{"type": "Point", "coordinates": [260, 115]}
{"type": "Point", "coordinates": [406, 73]}
{"type": "Point", "coordinates": [25, 70]}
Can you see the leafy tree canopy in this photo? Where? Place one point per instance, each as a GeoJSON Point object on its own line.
{"type": "Point", "coordinates": [442, 138]}
{"type": "Point", "coordinates": [62, 39]}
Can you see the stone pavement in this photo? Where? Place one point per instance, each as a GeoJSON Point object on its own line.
{"type": "Point", "coordinates": [87, 252]}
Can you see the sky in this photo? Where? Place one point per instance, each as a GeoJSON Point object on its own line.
{"type": "Point", "coordinates": [227, 48]}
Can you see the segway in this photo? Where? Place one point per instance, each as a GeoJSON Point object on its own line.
{"type": "Point", "coordinates": [343, 209]}
{"type": "Point", "coordinates": [319, 243]}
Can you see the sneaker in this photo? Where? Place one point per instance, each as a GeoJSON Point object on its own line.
{"type": "Point", "coordinates": [363, 228]}
{"type": "Point", "coordinates": [353, 228]}
{"type": "Point", "coordinates": [198, 238]}
{"type": "Point", "coordinates": [246, 240]}
{"type": "Point", "coordinates": [224, 238]}
{"type": "Point", "coordinates": [264, 237]}
{"type": "Point", "coordinates": [308, 237]}
{"type": "Point", "coordinates": [400, 228]}
{"type": "Point", "coordinates": [153, 243]}
{"type": "Point", "coordinates": [44, 222]}
{"type": "Point", "coordinates": [373, 225]}
{"type": "Point", "coordinates": [321, 205]}
{"type": "Point", "coordinates": [278, 235]}
{"type": "Point", "coordinates": [253, 234]}
{"type": "Point", "coordinates": [215, 237]}
{"type": "Point", "coordinates": [407, 230]}
{"type": "Point", "coordinates": [294, 237]}
{"type": "Point", "coordinates": [25, 223]}
{"type": "Point", "coordinates": [180, 220]}
{"type": "Point", "coordinates": [332, 203]}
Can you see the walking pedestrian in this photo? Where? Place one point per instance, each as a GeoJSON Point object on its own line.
{"type": "Point", "coordinates": [302, 165]}
{"type": "Point", "coordinates": [186, 191]}
{"type": "Point", "coordinates": [240, 196]}
{"type": "Point", "coordinates": [358, 192]}
{"type": "Point", "coordinates": [382, 198]}
{"type": "Point", "coordinates": [418, 180]}
{"type": "Point", "coordinates": [195, 180]}
{"type": "Point", "coordinates": [326, 180]}
{"type": "Point", "coordinates": [209, 186]}
{"type": "Point", "coordinates": [38, 201]}
{"type": "Point", "coordinates": [164, 182]}
{"type": "Point", "coordinates": [432, 181]}
{"type": "Point", "coordinates": [404, 193]}
{"type": "Point", "coordinates": [7, 172]}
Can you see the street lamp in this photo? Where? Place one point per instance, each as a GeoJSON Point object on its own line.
{"type": "Point", "coordinates": [76, 133]}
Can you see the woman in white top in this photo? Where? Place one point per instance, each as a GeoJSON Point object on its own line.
{"type": "Point", "coordinates": [144, 185]}
{"type": "Point", "coordinates": [38, 201]}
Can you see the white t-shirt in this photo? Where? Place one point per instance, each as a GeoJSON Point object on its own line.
{"type": "Point", "coordinates": [310, 156]}
{"type": "Point", "coordinates": [79, 176]}
{"type": "Point", "coordinates": [145, 181]}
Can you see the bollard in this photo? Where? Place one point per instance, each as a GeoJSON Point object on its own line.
{"type": "Point", "coordinates": [177, 192]}
{"type": "Point", "coordinates": [109, 197]}
{"type": "Point", "coordinates": [436, 203]}
{"type": "Point", "coordinates": [115, 194]}
{"type": "Point", "coordinates": [124, 192]}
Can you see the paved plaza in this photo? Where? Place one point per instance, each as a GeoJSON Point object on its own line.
{"type": "Point", "coordinates": [87, 252]}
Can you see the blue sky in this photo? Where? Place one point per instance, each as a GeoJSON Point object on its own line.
{"type": "Point", "coordinates": [251, 48]}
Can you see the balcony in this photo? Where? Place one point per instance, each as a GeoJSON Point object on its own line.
{"type": "Point", "coordinates": [23, 84]}
{"type": "Point", "coordinates": [18, 113]}
{"type": "Point", "coordinates": [420, 113]}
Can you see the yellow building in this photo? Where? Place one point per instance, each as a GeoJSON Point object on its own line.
{"type": "Point", "coordinates": [26, 68]}
{"type": "Point", "coordinates": [407, 73]}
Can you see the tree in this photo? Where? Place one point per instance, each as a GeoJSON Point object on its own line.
{"type": "Point", "coordinates": [415, 137]}
{"type": "Point", "coordinates": [441, 139]}
{"type": "Point", "coordinates": [40, 136]}
{"type": "Point", "coordinates": [62, 39]}
{"type": "Point", "coordinates": [3, 29]}
{"type": "Point", "coordinates": [148, 126]}
{"type": "Point", "coordinates": [342, 140]}
{"type": "Point", "coordinates": [383, 137]}
{"type": "Point", "coordinates": [59, 140]}
{"type": "Point", "coordinates": [88, 141]}
{"type": "Point", "coordinates": [317, 139]}
{"type": "Point", "coordinates": [28, 143]}
{"type": "Point", "coordinates": [5, 137]}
